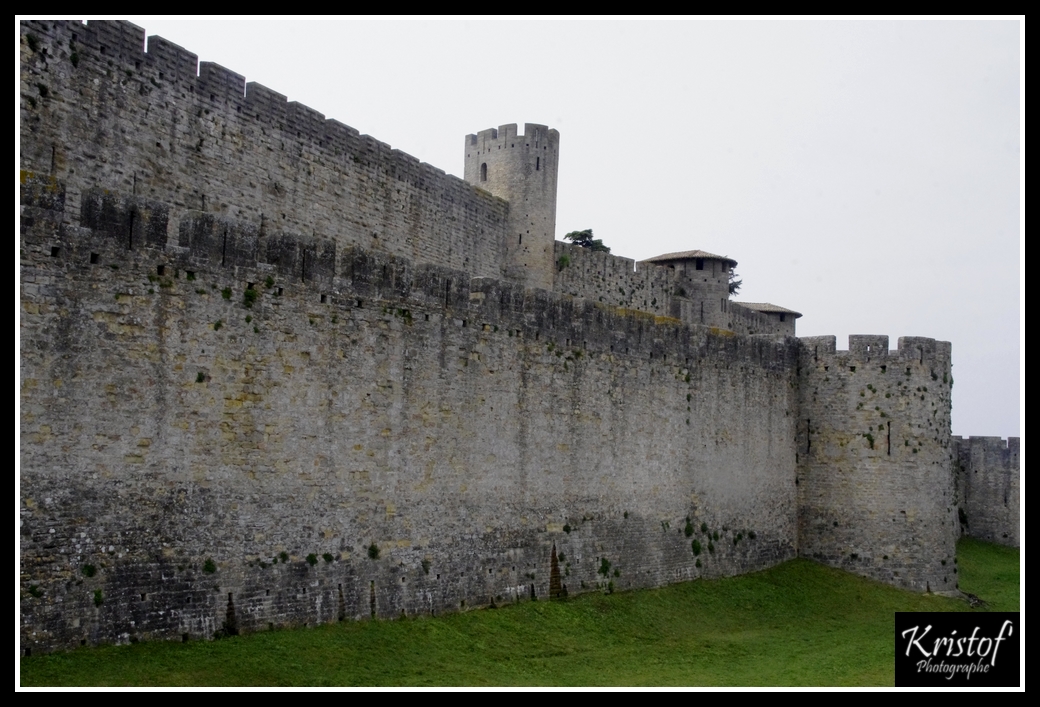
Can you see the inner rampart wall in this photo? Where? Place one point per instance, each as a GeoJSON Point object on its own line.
{"type": "Point", "coordinates": [621, 282]}
{"type": "Point", "coordinates": [96, 109]}
{"type": "Point", "coordinates": [462, 427]}
{"type": "Point", "coordinates": [613, 280]}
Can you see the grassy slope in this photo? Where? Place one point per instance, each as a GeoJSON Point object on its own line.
{"type": "Point", "coordinates": [796, 624]}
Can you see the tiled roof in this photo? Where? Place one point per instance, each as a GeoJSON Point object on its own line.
{"type": "Point", "coordinates": [688, 255]}
{"type": "Point", "coordinates": [766, 307]}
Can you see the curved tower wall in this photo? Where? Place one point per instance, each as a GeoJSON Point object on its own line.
{"type": "Point", "coordinates": [520, 169]}
{"type": "Point", "coordinates": [875, 478]}
{"type": "Point", "coordinates": [702, 296]}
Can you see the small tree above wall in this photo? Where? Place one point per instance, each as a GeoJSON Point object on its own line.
{"type": "Point", "coordinates": [585, 240]}
{"type": "Point", "coordinates": [734, 283]}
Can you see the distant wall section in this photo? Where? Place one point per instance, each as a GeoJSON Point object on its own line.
{"type": "Point", "coordinates": [613, 280]}
{"type": "Point", "coordinates": [989, 488]}
{"type": "Point", "coordinates": [698, 298]}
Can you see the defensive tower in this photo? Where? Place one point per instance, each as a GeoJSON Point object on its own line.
{"type": "Point", "coordinates": [520, 169]}
{"type": "Point", "coordinates": [702, 280]}
{"type": "Point", "coordinates": [875, 489]}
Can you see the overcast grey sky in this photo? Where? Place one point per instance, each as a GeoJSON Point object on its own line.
{"type": "Point", "coordinates": [864, 173]}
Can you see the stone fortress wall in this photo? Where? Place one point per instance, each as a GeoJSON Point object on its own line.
{"type": "Point", "coordinates": [465, 427]}
{"type": "Point", "coordinates": [986, 472]}
{"type": "Point", "coordinates": [275, 373]}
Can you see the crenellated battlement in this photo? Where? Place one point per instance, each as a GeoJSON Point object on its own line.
{"type": "Point", "coordinates": [999, 445]}
{"type": "Point", "coordinates": [120, 49]}
{"type": "Point", "coordinates": [867, 348]}
{"type": "Point", "coordinates": [294, 169]}
{"type": "Point", "coordinates": [506, 137]}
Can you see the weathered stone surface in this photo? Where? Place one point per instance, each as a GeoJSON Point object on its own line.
{"type": "Point", "coordinates": [274, 372]}
{"type": "Point", "coordinates": [989, 485]}
{"type": "Point", "coordinates": [875, 488]}
{"type": "Point", "coordinates": [461, 429]}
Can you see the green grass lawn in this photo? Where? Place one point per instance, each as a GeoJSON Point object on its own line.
{"type": "Point", "coordinates": [796, 624]}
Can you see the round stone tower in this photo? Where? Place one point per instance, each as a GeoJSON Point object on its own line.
{"type": "Point", "coordinates": [520, 169]}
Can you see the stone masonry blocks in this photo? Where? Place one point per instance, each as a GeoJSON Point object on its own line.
{"type": "Point", "coordinates": [275, 372]}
